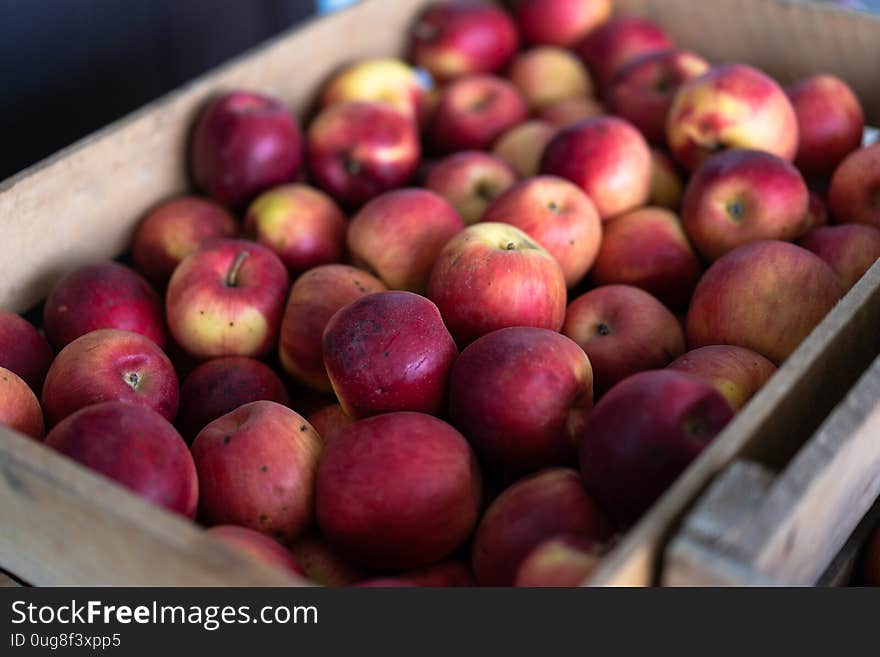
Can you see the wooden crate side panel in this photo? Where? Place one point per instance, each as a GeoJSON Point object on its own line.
{"type": "Point", "coordinates": [62, 525]}
{"type": "Point", "coordinates": [82, 204]}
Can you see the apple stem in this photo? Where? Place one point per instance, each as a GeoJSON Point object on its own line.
{"type": "Point", "coordinates": [232, 275]}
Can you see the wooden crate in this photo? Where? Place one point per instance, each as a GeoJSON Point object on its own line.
{"type": "Point", "coordinates": [60, 524]}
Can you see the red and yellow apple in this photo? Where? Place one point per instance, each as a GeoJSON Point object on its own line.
{"type": "Point", "coordinates": [560, 561]}
{"type": "Point", "coordinates": [546, 75]}
{"type": "Point", "coordinates": [380, 80]}
{"type": "Point", "coordinates": [19, 408]}
{"type": "Point", "coordinates": [666, 185]}
{"type": "Point", "coordinates": [568, 112]}
{"type": "Point", "coordinates": [470, 181]}
{"type": "Point", "coordinates": [522, 146]}
{"type": "Point", "coordinates": [23, 350]}
{"type": "Point", "coordinates": [559, 22]}
{"type": "Point", "coordinates": [736, 372]}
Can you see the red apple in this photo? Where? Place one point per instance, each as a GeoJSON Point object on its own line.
{"type": "Point", "coordinates": [765, 296]}
{"type": "Point", "coordinates": [386, 352]}
{"type": "Point", "coordinates": [258, 546]}
{"type": "Point", "coordinates": [817, 213]}
{"type": "Point", "coordinates": [854, 195]}
{"type": "Point", "coordinates": [104, 295]}
{"type": "Point", "coordinates": [568, 112]}
{"type": "Point", "coordinates": [648, 248]}
{"type": "Point", "coordinates": [313, 300]}
{"type": "Point", "coordinates": [397, 491]}
{"type": "Point", "coordinates": [470, 181]}
{"type": "Point", "coordinates": [559, 561]}
{"type": "Point", "coordinates": [642, 91]}
{"type": "Point", "coordinates": [871, 561]}
{"type": "Point", "coordinates": [134, 446]}
{"type": "Point", "coordinates": [613, 45]}
{"type": "Point", "coordinates": [23, 350]}
{"type": "Point", "coordinates": [830, 123]}
{"type": "Point", "coordinates": [110, 365]}
{"type": "Point", "coordinates": [173, 230]}
{"type": "Point", "coordinates": [666, 186]}
{"type": "Point", "coordinates": [519, 394]}
{"type": "Point", "coordinates": [623, 330]}
{"type": "Point", "coordinates": [628, 459]}
{"type": "Point", "coordinates": [556, 214]}
{"type": "Point", "coordinates": [736, 373]}
{"type": "Point", "coordinates": [742, 196]}
{"type": "Point", "coordinates": [257, 469]}
{"type": "Point", "coordinates": [541, 506]}
{"type": "Point", "coordinates": [301, 224]}
{"type": "Point", "coordinates": [849, 249]}
{"type": "Point", "coordinates": [450, 39]}
{"type": "Point", "coordinates": [358, 150]}
{"type": "Point", "coordinates": [473, 112]}
{"type": "Point", "coordinates": [322, 562]}
{"type": "Point", "coordinates": [607, 158]}
{"type": "Point", "coordinates": [399, 234]}
{"type": "Point", "coordinates": [226, 299]}
{"type": "Point", "coordinates": [219, 386]}
{"type": "Point", "coordinates": [730, 106]}
{"type": "Point", "coordinates": [559, 22]}
{"type": "Point", "coordinates": [493, 275]}
{"type": "Point", "coordinates": [547, 75]}
{"type": "Point", "coordinates": [329, 420]}
{"type": "Point", "coordinates": [447, 573]}
{"type": "Point", "coordinates": [522, 146]}
{"type": "Point", "coordinates": [19, 408]}
{"type": "Point", "coordinates": [383, 80]}
{"type": "Point", "coordinates": [243, 143]}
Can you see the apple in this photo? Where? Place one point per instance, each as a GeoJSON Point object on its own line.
{"type": "Point", "coordinates": [830, 123]}
{"type": "Point", "coordinates": [642, 91]}
{"type": "Point", "coordinates": [470, 181]}
{"type": "Point", "coordinates": [384, 80]}
{"type": "Point", "coordinates": [398, 491]}
{"type": "Point", "coordinates": [358, 150]}
{"type": "Point", "coordinates": [257, 546]}
{"type": "Point", "coordinates": [472, 112]}
{"type": "Point", "coordinates": [322, 563]}
{"type": "Point", "coordinates": [110, 365]}
{"type": "Point", "coordinates": [492, 275]}
{"type": "Point", "coordinates": [736, 372]}
{"type": "Point", "coordinates": [219, 386]}
{"type": "Point", "coordinates": [608, 158]}
{"type": "Point", "coordinates": [556, 214]}
{"type": "Point", "coordinates": [730, 106]}
{"type": "Point", "coordinates": [257, 468]}
{"type": "Point", "coordinates": [329, 420]}
{"type": "Point", "coordinates": [629, 459]}
{"type": "Point", "coordinates": [558, 561]}
{"type": "Point", "coordinates": [518, 394]}
{"type": "Point", "coordinates": [19, 408]}
{"type": "Point", "coordinates": [648, 248]}
{"type": "Point", "coordinates": [135, 447]}
{"type": "Point", "coordinates": [568, 112]}
{"type": "Point", "coordinates": [623, 330]}
{"type": "Point", "coordinates": [559, 22]}
{"type": "Point", "coordinates": [546, 75]}
{"type": "Point", "coordinates": [666, 186]}
{"type": "Point", "coordinates": [314, 298]}
{"type": "Point", "coordinates": [741, 196]}
{"type": "Point", "coordinates": [817, 213]}
{"type": "Point", "coordinates": [173, 230]}
{"type": "Point", "coordinates": [226, 299]}
{"type": "Point", "coordinates": [446, 573]}
{"type": "Point", "coordinates": [616, 43]}
{"type": "Point", "coordinates": [765, 296]}
{"type": "Point", "coordinates": [451, 39]}
{"type": "Point", "coordinates": [849, 249]}
{"type": "Point", "coordinates": [871, 560]}
{"type": "Point", "coordinates": [23, 350]}
{"type": "Point", "coordinates": [522, 146]}
{"type": "Point", "coordinates": [540, 506]}
{"type": "Point", "coordinates": [301, 224]}
{"type": "Point", "coordinates": [854, 195]}
{"type": "Point", "coordinates": [244, 142]}
{"type": "Point", "coordinates": [386, 352]}
{"type": "Point", "coordinates": [103, 295]}
{"type": "Point", "coordinates": [399, 234]}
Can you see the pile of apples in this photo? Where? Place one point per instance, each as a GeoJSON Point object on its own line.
{"type": "Point", "coordinates": [535, 270]}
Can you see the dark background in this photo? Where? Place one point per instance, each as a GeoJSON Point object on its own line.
{"type": "Point", "coordinates": [69, 67]}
